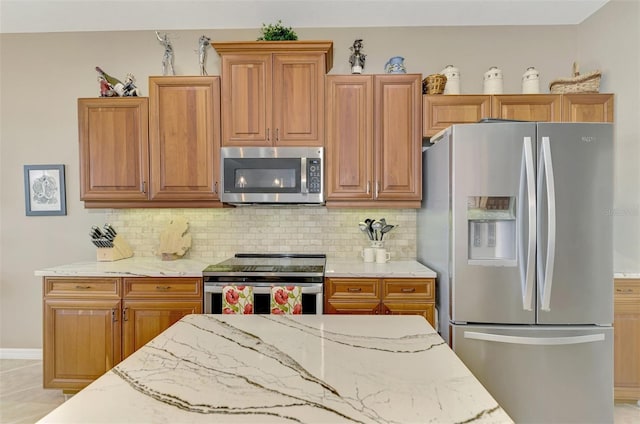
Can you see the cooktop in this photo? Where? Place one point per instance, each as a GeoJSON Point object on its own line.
{"type": "Point", "coordinates": [272, 263]}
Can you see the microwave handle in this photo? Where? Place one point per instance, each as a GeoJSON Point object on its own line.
{"type": "Point", "coordinates": [303, 176]}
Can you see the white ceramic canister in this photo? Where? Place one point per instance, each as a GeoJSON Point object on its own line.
{"type": "Point", "coordinates": [453, 80]}
{"type": "Point", "coordinates": [531, 81]}
{"type": "Point", "coordinates": [493, 81]}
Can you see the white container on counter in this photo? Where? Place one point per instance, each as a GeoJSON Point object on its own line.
{"type": "Point", "coordinates": [493, 81]}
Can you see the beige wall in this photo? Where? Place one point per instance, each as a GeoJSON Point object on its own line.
{"type": "Point", "coordinates": [42, 75]}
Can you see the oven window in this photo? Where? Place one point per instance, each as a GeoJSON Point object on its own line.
{"type": "Point", "coordinates": [262, 303]}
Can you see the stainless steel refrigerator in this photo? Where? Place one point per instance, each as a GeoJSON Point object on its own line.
{"type": "Point", "coordinates": [516, 221]}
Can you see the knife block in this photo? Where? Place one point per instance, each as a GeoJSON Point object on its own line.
{"type": "Point", "coordinates": [120, 250]}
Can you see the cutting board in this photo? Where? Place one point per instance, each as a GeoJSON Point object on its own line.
{"type": "Point", "coordinates": [174, 239]}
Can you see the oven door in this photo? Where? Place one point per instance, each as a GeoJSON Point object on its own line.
{"type": "Point", "coordinates": [312, 296]}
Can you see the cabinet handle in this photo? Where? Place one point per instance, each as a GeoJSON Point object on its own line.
{"type": "Point", "coordinates": [408, 289]}
{"type": "Point", "coordinates": [277, 134]}
{"type": "Point", "coordinates": [624, 290]}
{"type": "Point", "coordinates": [163, 288]}
{"type": "Point", "coordinates": [368, 187]}
{"type": "Point", "coordinates": [377, 189]}
{"type": "Point", "coordinates": [354, 289]}
{"type": "Point", "coordinates": [114, 316]}
{"type": "Point", "coordinates": [215, 188]}
{"type": "Point", "coordinates": [124, 314]}
{"type": "Point", "coordinates": [144, 186]}
{"type": "Point", "coordinates": [82, 287]}
{"type": "Point", "coordinates": [268, 135]}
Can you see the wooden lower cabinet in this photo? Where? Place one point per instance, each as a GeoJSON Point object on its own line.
{"type": "Point", "coordinates": [389, 296]}
{"type": "Point", "coordinates": [626, 345]}
{"type": "Point", "coordinates": [91, 324]}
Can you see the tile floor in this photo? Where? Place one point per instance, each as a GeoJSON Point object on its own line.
{"type": "Point", "coordinates": [24, 401]}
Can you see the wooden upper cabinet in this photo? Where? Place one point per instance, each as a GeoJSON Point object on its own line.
{"type": "Point", "coordinates": [523, 107]}
{"type": "Point", "coordinates": [349, 143]}
{"type": "Point", "coordinates": [398, 140]}
{"type": "Point", "coordinates": [587, 107]}
{"type": "Point", "coordinates": [273, 92]}
{"type": "Point", "coordinates": [184, 137]}
{"type": "Point", "coordinates": [374, 140]}
{"type": "Point", "coordinates": [113, 137]}
{"type": "Point", "coordinates": [442, 111]}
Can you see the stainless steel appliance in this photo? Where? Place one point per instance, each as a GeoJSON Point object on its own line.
{"type": "Point", "coordinates": [517, 223]}
{"type": "Point", "coordinates": [262, 271]}
{"type": "Point", "coordinates": [290, 175]}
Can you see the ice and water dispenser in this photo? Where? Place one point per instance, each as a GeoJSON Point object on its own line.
{"type": "Point", "coordinates": [492, 229]}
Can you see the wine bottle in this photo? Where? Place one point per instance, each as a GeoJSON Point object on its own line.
{"type": "Point", "coordinates": [111, 80]}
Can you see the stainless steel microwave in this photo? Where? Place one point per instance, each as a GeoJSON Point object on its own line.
{"type": "Point", "coordinates": [289, 175]}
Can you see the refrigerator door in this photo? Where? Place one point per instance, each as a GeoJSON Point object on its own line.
{"type": "Point", "coordinates": [575, 227]}
{"type": "Point", "coordinates": [542, 374]}
{"type": "Point", "coordinates": [493, 235]}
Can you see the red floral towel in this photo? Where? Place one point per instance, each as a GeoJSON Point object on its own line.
{"type": "Point", "coordinates": [286, 300]}
{"type": "Point", "coordinates": [237, 300]}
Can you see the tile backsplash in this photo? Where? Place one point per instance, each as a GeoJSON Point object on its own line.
{"type": "Point", "coordinates": [220, 233]}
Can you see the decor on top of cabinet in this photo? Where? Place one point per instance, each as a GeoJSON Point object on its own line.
{"type": "Point", "coordinates": [587, 83]}
{"type": "Point", "coordinates": [276, 32]}
{"type": "Point", "coordinates": [493, 81]}
{"type": "Point", "coordinates": [531, 81]}
{"type": "Point", "coordinates": [395, 65]}
{"type": "Point", "coordinates": [453, 79]}
{"type": "Point", "coordinates": [357, 58]}
{"type": "Point", "coordinates": [167, 58]}
{"type": "Point", "coordinates": [174, 240]}
{"type": "Point", "coordinates": [113, 87]}
{"type": "Point", "coordinates": [434, 84]}
{"type": "Point", "coordinates": [203, 44]}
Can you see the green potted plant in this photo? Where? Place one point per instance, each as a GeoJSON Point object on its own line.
{"type": "Point", "coordinates": [277, 32]}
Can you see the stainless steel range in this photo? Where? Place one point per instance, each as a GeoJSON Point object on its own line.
{"type": "Point", "coordinates": [262, 271]}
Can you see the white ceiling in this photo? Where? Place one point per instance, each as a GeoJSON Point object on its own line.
{"type": "Point", "coordinates": [29, 16]}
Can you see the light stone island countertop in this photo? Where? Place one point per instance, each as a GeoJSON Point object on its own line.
{"type": "Point", "coordinates": [154, 267]}
{"type": "Point", "coordinates": [306, 368]}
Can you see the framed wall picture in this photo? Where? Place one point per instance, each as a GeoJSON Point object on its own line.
{"type": "Point", "coordinates": [44, 190]}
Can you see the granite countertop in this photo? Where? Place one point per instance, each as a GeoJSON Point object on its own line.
{"type": "Point", "coordinates": [309, 368]}
{"type": "Point", "coordinates": [623, 275]}
{"type": "Point", "coordinates": [154, 267]}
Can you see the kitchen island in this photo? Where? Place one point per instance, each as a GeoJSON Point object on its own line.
{"type": "Point", "coordinates": [309, 368]}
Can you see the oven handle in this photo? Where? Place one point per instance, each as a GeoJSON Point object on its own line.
{"type": "Point", "coordinates": [215, 288]}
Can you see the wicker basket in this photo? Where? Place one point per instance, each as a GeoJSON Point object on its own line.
{"type": "Point", "coordinates": [434, 84]}
{"type": "Point", "coordinates": [587, 83]}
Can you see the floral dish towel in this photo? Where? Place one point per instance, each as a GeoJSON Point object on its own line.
{"type": "Point", "coordinates": [237, 300]}
{"type": "Point", "coordinates": [286, 300]}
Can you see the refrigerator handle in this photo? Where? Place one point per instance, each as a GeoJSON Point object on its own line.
{"type": "Point", "coordinates": [527, 191]}
{"type": "Point", "coordinates": [539, 341]}
{"type": "Point", "coordinates": [545, 276]}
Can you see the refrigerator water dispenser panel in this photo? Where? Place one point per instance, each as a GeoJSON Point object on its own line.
{"type": "Point", "coordinates": [492, 230]}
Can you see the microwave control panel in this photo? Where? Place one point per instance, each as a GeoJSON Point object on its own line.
{"type": "Point", "coordinates": [314, 175]}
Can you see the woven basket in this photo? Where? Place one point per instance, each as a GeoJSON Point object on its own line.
{"type": "Point", "coordinates": [434, 84]}
{"type": "Point", "coordinates": [587, 83]}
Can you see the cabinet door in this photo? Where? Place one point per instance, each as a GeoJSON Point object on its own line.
{"type": "Point", "coordinates": [587, 107]}
{"type": "Point", "coordinates": [522, 107]}
{"type": "Point", "coordinates": [184, 137]}
{"type": "Point", "coordinates": [246, 99]}
{"type": "Point", "coordinates": [626, 345]}
{"type": "Point", "coordinates": [441, 111]}
{"type": "Point", "coordinates": [349, 144]}
{"type": "Point", "coordinates": [81, 341]}
{"type": "Point", "coordinates": [352, 296]}
{"type": "Point", "coordinates": [409, 296]}
{"type": "Point", "coordinates": [398, 141]}
{"type": "Point", "coordinates": [298, 99]}
{"type": "Point", "coordinates": [113, 136]}
{"type": "Point", "coordinates": [143, 320]}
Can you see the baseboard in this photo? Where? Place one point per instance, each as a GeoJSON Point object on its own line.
{"type": "Point", "coordinates": [20, 353]}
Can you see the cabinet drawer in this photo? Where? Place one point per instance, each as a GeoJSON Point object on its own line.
{"type": "Point", "coordinates": [626, 289]}
{"type": "Point", "coordinates": [348, 289]}
{"type": "Point", "coordinates": [163, 287]}
{"type": "Point", "coordinates": [72, 287]}
{"type": "Point", "coordinates": [408, 289]}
